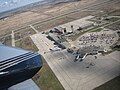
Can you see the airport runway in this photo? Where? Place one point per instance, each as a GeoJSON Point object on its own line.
{"type": "Point", "coordinates": [76, 75]}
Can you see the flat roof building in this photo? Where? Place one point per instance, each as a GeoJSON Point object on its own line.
{"type": "Point", "coordinates": [80, 23]}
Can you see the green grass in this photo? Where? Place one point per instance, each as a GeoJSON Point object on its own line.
{"type": "Point", "coordinates": [96, 30]}
{"type": "Point", "coordinates": [113, 19]}
{"type": "Point", "coordinates": [113, 84]}
{"type": "Point", "coordinates": [46, 79]}
{"type": "Point", "coordinates": [115, 49]}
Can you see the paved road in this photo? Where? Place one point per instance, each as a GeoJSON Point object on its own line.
{"type": "Point", "coordinates": [26, 85]}
{"type": "Point", "coordinates": [76, 75]}
{"type": "Point", "coordinates": [13, 39]}
{"type": "Point", "coordinates": [33, 28]}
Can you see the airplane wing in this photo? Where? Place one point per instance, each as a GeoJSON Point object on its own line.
{"type": "Point", "coordinates": [16, 66]}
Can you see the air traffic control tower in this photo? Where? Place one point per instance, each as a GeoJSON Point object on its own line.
{"type": "Point", "coordinates": [17, 65]}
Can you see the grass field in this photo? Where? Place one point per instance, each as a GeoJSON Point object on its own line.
{"type": "Point", "coordinates": [113, 84]}
{"type": "Point", "coordinates": [47, 24]}
{"type": "Point", "coordinates": [5, 33]}
{"type": "Point", "coordinates": [96, 30]}
{"type": "Point", "coordinates": [116, 48]}
{"type": "Point", "coordinates": [23, 33]}
{"type": "Point", "coordinates": [113, 19]}
{"type": "Point", "coordinates": [6, 40]}
{"type": "Point", "coordinates": [115, 13]}
{"type": "Point", "coordinates": [74, 37]}
{"type": "Point", "coordinates": [115, 26]}
{"type": "Point", "coordinates": [27, 44]}
{"type": "Point", "coordinates": [46, 79]}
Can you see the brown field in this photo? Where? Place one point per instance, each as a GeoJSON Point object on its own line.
{"type": "Point", "coordinates": [37, 14]}
{"type": "Point", "coordinates": [40, 14]}
{"type": "Point", "coordinates": [6, 40]}
{"type": "Point", "coordinates": [27, 44]}
{"type": "Point", "coordinates": [23, 33]}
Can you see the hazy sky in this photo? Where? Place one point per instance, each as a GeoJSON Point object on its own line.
{"type": "Point", "coordinates": [6, 5]}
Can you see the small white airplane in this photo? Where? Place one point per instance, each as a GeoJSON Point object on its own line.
{"type": "Point", "coordinates": [84, 52]}
{"type": "Point", "coordinates": [55, 49]}
{"type": "Point", "coordinates": [80, 57]}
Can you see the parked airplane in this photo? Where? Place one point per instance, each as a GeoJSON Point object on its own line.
{"type": "Point", "coordinates": [80, 57]}
{"type": "Point", "coordinates": [55, 49]}
{"type": "Point", "coordinates": [82, 53]}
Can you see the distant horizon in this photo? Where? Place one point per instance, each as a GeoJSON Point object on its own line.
{"type": "Point", "coordinates": [7, 5]}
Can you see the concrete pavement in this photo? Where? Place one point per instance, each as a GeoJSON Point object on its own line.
{"type": "Point", "coordinates": [13, 39]}
{"type": "Point", "coordinates": [26, 85]}
{"type": "Point", "coordinates": [33, 28]}
{"type": "Point", "coordinates": [76, 75]}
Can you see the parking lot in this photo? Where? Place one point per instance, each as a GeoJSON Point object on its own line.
{"type": "Point", "coordinates": [77, 75]}
{"type": "Point", "coordinates": [103, 39]}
